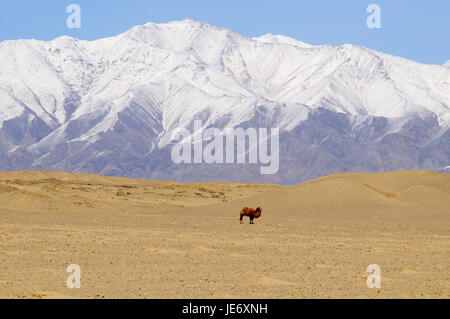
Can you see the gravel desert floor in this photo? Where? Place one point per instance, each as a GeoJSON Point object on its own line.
{"type": "Point", "coordinates": [151, 239]}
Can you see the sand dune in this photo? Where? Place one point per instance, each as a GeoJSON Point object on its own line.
{"type": "Point", "coordinates": [152, 239]}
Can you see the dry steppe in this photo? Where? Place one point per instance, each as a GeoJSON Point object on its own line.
{"type": "Point", "coordinates": [153, 239]}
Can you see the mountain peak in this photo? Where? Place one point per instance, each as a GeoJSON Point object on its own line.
{"type": "Point", "coordinates": [187, 22]}
{"type": "Point", "coordinates": [181, 35]}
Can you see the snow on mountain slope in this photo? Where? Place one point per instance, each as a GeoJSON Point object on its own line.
{"type": "Point", "coordinates": [159, 77]}
{"type": "Point", "coordinates": [280, 39]}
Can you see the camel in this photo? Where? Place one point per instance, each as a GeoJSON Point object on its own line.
{"type": "Point", "coordinates": [251, 213]}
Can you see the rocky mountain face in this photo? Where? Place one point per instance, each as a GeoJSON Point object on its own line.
{"type": "Point", "coordinates": [111, 106]}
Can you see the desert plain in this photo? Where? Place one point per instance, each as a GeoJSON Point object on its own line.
{"type": "Point", "coordinates": [153, 239]}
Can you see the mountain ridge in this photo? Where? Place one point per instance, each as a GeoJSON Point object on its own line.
{"type": "Point", "coordinates": [74, 105]}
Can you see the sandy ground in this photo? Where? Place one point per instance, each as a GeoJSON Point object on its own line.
{"type": "Point", "coordinates": [148, 239]}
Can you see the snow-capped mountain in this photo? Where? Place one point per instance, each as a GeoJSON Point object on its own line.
{"type": "Point", "coordinates": [110, 106]}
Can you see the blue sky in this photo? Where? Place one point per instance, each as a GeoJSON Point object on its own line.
{"type": "Point", "coordinates": [415, 29]}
